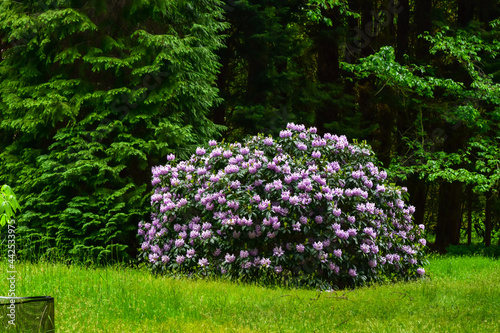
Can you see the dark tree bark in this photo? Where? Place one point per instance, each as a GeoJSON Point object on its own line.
{"type": "Point", "coordinates": [328, 70]}
{"type": "Point", "coordinates": [219, 112]}
{"type": "Point", "coordinates": [423, 22]}
{"type": "Point", "coordinates": [465, 12]}
{"type": "Point", "coordinates": [257, 84]}
{"type": "Point", "coordinates": [488, 11]}
{"type": "Point", "coordinates": [386, 119]}
{"type": "Point", "coordinates": [469, 215]}
{"type": "Point", "coordinates": [488, 226]}
{"type": "Point", "coordinates": [328, 51]}
{"type": "Point", "coordinates": [417, 190]}
{"type": "Point", "coordinates": [403, 30]}
{"type": "Point", "coordinates": [367, 24]}
{"type": "Point", "coordinates": [449, 215]}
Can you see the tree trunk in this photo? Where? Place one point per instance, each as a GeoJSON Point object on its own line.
{"type": "Point", "coordinates": [257, 83]}
{"type": "Point", "coordinates": [417, 190]}
{"type": "Point", "coordinates": [386, 118]}
{"type": "Point", "coordinates": [328, 70]}
{"type": "Point", "coordinates": [465, 12]}
{"type": "Point", "coordinates": [403, 30]}
{"type": "Point", "coordinates": [487, 219]}
{"type": "Point", "coordinates": [487, 11]}
{"type": "Point", "coordinates": [469, 215]}
{"type": "Point", "coordinates": [219, 112]}
{"type": "Point", "coordinates": [423, 22]}
{"type": "Point", "coordinates": [449, 215]}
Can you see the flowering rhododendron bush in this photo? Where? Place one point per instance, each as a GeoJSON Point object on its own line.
{"type": "Point", "coordinates": [315, 211]}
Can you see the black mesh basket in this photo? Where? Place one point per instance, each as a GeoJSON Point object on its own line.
{"type": "Point", "coordinates": [27, 314]}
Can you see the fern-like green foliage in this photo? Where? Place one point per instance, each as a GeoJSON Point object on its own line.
{"type": "Point", "coordinates": [94, 93]}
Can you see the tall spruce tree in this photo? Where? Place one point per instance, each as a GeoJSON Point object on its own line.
{"type": "Point", "coordinates": [92, 94]}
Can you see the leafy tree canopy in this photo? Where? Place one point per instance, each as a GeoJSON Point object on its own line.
{"type": "Point", "coordinates": [466, 102]}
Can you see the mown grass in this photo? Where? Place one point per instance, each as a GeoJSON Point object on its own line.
{"type": "Point", "coordinates": [460, 294]}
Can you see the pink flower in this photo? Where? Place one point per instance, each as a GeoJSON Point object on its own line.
{"type": "Point", "coordinates": [268, 141]}
{"type": "Point", "coordinates": [229, 258]}
{"type": "Point", "coordinates": [352, 232]}
{"type": "Point", "coordinates": [278, 252]}
{"type": "Point", "coordinates": [265, 262]}
{"type": "Point", "coordinates": [203, 262]}
{"type": "Point", "coordinates": [285, 134]}
{"type": "Point", "coordinates": [264, 204]}
{"type": "Point", "coordinates": [318, 246]}
{"type": "Point", "coordinates": [334, 268]}
{"type": "Point", "coordinates": [180, 259]}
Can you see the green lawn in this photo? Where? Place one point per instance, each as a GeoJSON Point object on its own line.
{"type": "Point", "coordinates": [460, 294]}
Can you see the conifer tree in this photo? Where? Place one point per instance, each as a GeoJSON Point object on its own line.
{"type": "Point", "coordinates": [92, 94]}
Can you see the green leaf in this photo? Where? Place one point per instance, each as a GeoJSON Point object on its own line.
{"type": "Point", "coordinates": [3, 220]}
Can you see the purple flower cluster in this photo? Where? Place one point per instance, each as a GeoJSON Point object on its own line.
{"type": "Point", "coordinates": [299, 203]}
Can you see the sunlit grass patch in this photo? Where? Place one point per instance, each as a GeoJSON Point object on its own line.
{"type": "Point", "coordinates": [459, 294]}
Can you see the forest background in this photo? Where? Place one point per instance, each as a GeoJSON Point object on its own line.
{"type": "Point", "coordinates": [95, 93]}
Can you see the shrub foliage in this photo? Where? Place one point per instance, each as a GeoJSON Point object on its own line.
{"type": "Point", "coordinates": [314, 210]}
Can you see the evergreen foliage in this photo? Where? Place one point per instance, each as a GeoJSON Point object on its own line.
{"type": "Point", "coordinates": [93, 93]}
